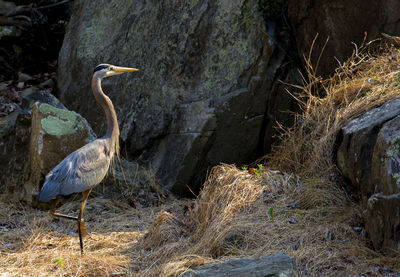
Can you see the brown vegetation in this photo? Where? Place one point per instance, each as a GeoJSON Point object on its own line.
{"type": "Point", "coordinates": [367, 80]}
{"type": "Point", "coordinates": [299, 208]}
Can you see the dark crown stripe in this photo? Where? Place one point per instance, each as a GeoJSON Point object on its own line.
{"type": "Point", "coordinates": [100, 67]}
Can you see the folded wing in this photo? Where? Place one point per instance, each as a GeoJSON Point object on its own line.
{"type": "Point", "coordinates": [79, 171]}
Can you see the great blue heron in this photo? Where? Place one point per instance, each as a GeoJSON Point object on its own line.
{"type": "Point", "coordinates": [84, 168]}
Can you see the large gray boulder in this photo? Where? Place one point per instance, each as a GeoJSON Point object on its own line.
{"type": "Point", "coordinates": [277, 265]}
{"type": "Point", "coordinates": [369, 157]}
{"type": "Point", "coordinates": [343, 23]}
{"type": "Point", "coordinates": [207, 89]}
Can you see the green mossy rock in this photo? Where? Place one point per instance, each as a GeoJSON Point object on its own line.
{"type": "Point", "coordinates": [55, 134]}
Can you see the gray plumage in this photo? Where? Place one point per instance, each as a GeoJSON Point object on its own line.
{"type": "Point", "coordinates": [81, 170]}
{"type": "Point", "coordinates": [84, 169]}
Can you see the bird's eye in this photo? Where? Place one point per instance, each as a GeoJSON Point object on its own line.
{"type": "Point", "coordinates": [110, 68]}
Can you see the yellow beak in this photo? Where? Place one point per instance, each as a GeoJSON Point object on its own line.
{"type": "Point", "coordinates": [120, 69]}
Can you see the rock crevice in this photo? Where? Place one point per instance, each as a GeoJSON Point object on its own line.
{"type": "Point", "coordinates": [368, 155]}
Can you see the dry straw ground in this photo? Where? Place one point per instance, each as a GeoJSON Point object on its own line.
{"type": "Point", "coordinates": [295, 204]}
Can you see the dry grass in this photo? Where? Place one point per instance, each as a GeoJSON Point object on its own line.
{"type": "Point", "coordinates": [231, 218]}
{"type": "Point", "coordinates": [368, 79]}
{"type": "Point", "coordinates": [298, 209]}
{"type": "Point", "coordinates": [31, 241]}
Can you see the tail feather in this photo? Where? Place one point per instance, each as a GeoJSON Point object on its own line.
{"type": "Point", "coordinates": [49, 190]}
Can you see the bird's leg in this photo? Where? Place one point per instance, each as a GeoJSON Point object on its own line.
{"type": "Point", "coordinates": [55, 214]}
{"type": "Point", "coordinates": [85, 195]}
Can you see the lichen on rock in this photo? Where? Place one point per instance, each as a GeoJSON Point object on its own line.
{"type": "Point", "coordinates": [60, 122]}
{"type": "Point", "coordinates": [55, 134]}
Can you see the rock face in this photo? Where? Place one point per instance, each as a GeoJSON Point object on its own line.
{"type": "Point", "coordinates": [383, 224]}
{"type": "Point", "coordinates": [369, 156]}
{"type": "Point", "coordinates": [14, 149]}
{"type": "Point", "coordinates": [55, 134]}
{"type": "Point", "coordinates": [37, 138]}
{"type": "Point", "coordinates": [206, 91]}
{"type": "Point", "coordinates": [343, 22]}
{"type": "Point", "coordinates": [15, 140]}
{"type": "Point", "coordinates": [274, 265]}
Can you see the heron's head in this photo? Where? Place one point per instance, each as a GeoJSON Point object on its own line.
{"type": "Point", "coordinates": [107, 70]}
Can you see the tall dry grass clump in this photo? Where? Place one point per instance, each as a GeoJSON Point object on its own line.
{"type": "Point", "coordinates": [204, 233]}
{"type": "Point", "coordinates": [241, 214]}
{"type": "Point", "coordinates": [368, 79]}
{"type": "Point", "coordinates": [227, 193]}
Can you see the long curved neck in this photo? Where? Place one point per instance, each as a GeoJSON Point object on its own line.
{"type": "Point", "coordinates": [108, 107]}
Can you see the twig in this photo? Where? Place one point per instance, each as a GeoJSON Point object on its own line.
{"type": "Point", "coordinates": [52, 5]}
{"type": "Point", "coordinates": [6, 21]}
{"type": "Point", "coordinates": [320, 54]}
{"type": "Point", "coordinates": [144, 274]}
{"type": "Point", "coordinates": [27, 9]}
{"type": "Point", "coordinates": [19, 10]}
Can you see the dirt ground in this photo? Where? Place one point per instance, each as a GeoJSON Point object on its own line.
{"type": "Point", "coordinates": [238, 213]}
